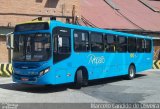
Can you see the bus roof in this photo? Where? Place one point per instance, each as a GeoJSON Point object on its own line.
{"type": "Point", "coordinates": [52, 24]}
{"type": "Point", "coordinates": [35, 21]}
{"type": "Point", "coordinates": [58, 23]}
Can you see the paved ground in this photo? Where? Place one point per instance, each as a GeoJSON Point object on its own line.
{"type": "Point", "coordinates": [145, 88]}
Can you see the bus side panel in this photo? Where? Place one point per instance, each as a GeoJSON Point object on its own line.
{"type": "Point", "coordinates": [145, 62]}
{"type": "Point", "coordinates": [89, 61]}
{"type": "Point", "coordinates": [140, 61]}
{"type": "Point", "coordinates": [116, 63]}
{"type": "Point", "coordinates": [122, 59]}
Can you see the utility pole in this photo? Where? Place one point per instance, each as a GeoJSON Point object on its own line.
{"type": "Point", "coordinates": [73, 14]}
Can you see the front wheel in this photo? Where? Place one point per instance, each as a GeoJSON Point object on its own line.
{"type": "Point", "coordinates": [81, 79]}
{"type": "Point", "coordinates": [131, 72]}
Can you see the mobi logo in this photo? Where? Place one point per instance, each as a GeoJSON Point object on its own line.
{"type": "Point", "coordinates": [96, 59]}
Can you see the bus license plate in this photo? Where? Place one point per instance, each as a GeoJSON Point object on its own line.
{"type": "Point", "coordinates": [24, 79]}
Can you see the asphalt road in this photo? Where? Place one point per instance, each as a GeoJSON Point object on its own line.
{"type": "Point", "coordinates": [145, 88]}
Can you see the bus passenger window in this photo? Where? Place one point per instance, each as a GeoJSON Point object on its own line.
{"type": "Point", "coordinates": [96, 42]}
{"type": "Point", "coordinates": [122, 44]}
{"type": "Point", "coordinates": [131, 45]}
{"type": "Point", "coordinates": [148, 45]}
{"type": "Point", "coordinates": [140, 45]}
{"type": "Point", "coordinates": [81, 41]}
{"type": "Point", "coordinates": [110, 43]}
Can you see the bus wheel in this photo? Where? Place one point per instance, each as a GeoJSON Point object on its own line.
{"type": "Point", "coordinates": [131, 72]}
{"type": "Point", "coordinates": [48, 86]}
{"type": "Point", "coordinates": [81, 79]}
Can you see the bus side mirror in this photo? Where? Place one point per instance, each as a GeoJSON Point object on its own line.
{"type": "Point", "coordinates": [9, 40]}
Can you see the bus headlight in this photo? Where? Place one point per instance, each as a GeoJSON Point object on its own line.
{"type": "Point", "coordinates": [44, 71]}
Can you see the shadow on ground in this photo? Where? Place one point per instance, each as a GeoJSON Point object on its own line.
{"type": "Point", "coordinates": [59, 88]}
{"type": "Point", "coordinates": [33, 88]}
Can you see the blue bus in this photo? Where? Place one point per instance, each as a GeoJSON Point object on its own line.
{"type": "Point", "coordinates": [52, 52]}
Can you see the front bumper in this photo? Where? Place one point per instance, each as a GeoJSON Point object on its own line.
{"type": "Point", "coordinates": [32, 79]}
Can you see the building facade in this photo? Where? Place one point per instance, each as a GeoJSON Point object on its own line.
{"type": "Point", "coordinates": [133, 16]}
{"type": "Point", "coordinates": [17, 11]}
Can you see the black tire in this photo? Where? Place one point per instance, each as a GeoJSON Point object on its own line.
{"type": "Point", "coordinates": [131, 72]}
{"type": "Point", "coordinates": [85, 80]}
{"type": "Point", "coordinates": [48, 86]}
{"type": "Point", "coordinates": [81, 79]}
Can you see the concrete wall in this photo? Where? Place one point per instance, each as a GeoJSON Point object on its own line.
{"type": "Point", "coordinates": [16, 11]}
{"type": "Point", "coordinates": [3, 50]}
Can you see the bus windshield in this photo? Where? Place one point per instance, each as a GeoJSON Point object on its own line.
{"type": "Point", "coordinates": [32, 47]}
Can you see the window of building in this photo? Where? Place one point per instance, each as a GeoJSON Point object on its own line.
{"type": "Point", "coordinates": [148, 45]}
{"type": "Point", "coordinates": [81, 41]}
{"type": "Point", "coordinates": [110, 43]}
{"type": "Point", "coordinates": [131, 44]}
{"type": "Point", "coordinates": [140, 45]}
{"type": "Point", "coordinates": [96, 42]}
{"type": "Point", "coordinates": [121, 44]}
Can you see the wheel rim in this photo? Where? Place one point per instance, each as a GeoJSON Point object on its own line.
{"type": "Point", "coordinates": [79, 71]}
{"type": "Point", "coordinates": [131, 72]}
